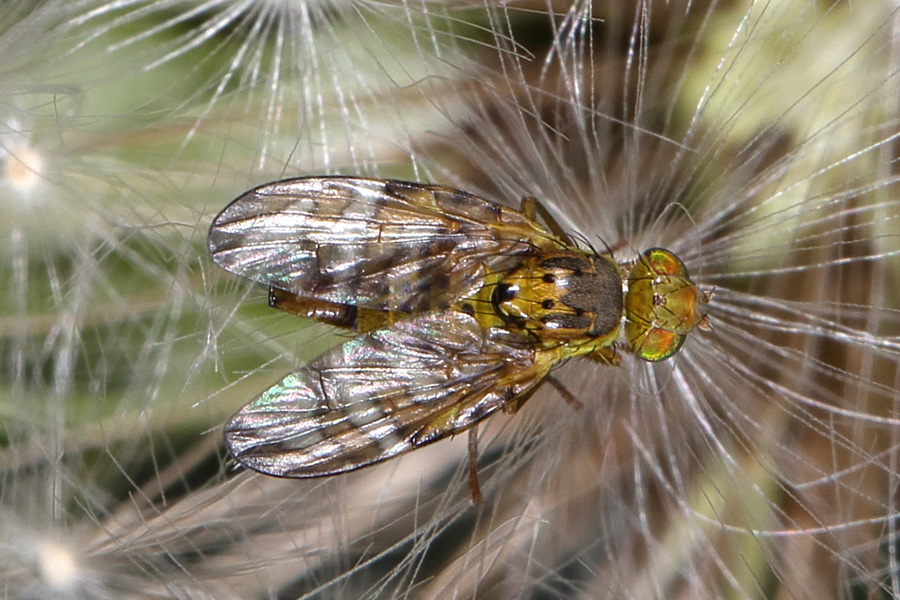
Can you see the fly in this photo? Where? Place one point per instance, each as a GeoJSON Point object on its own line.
{"type": "Point", "coordinates": [461, 306]}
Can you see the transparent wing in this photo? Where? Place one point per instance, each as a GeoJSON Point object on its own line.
{"type": "Point", "coordinates": [382, 394]}
{"type": "Point", "coordinates": [372, 243]}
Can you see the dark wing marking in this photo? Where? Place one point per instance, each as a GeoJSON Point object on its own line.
{"type": "Point", "coordinates": [372, 243]}
{"type": "Point", "coordinates": [382, 394]}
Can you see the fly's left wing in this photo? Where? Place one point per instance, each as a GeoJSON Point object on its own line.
{"type": "Point", "coordinates": [374, 244]}
{"type": "Point", "coordinates": [382, 394]}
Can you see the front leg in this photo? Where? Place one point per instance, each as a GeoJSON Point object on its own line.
{"type": "Point", "coordinates": [531, 208]}
{"type": "Point", "coordinates": [607, 355]}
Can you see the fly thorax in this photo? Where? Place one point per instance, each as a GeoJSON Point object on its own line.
{"type": "Point", "coordinates": [562, 296]}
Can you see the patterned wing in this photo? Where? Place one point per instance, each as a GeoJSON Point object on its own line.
{"type": "Point", "coordinates": [372, 243]}
{"type": "Point", "coordinates": [382, 394]}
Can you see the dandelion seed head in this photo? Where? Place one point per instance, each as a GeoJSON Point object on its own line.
{"type": "Point", "coordinates": [758, 145]}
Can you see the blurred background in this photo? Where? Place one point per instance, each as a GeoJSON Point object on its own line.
{"type": "Point", "coordinates": [756, 139]}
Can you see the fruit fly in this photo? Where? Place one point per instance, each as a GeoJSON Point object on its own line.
{"type": "Point", "coordinates": [461, 308]}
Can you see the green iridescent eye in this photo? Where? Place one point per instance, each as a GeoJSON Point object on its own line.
{"type": "Point", "coordinates": [661, 306]}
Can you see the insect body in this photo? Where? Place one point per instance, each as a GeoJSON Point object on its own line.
{"type": "Point", "coordinates": [462, 308]}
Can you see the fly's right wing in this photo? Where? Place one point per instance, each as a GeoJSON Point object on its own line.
{"type": "Point", "coordinates": [370, 243]}
{"type": "Point", "coordinates": [385, 393]}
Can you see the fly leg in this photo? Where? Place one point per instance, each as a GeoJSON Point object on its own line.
{"type": "Point", "coordinates": [532, 208]}
{"type": "Point", "coordinates": [340, 315]}
{"type": "Point", "coordinates": [608, 355]}
{"type": "Point", "coordinates": [473, 465]}
{"type": "Point", "coordinates": [347, 316]}
{"type": "Point", "coordinates": [568, 396]}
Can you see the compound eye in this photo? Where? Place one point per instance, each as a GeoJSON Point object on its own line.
{"type": "Point", "coordinates": [663, 262]}
{"type": "Point", "coordinates": [654, 344]}
{"type": "Point", "coordinates": [661, 305]}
